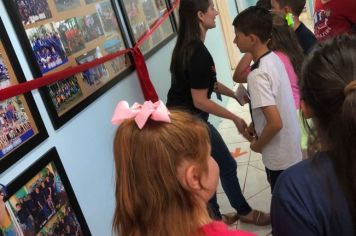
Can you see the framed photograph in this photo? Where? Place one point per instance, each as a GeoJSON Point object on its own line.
{"type": "Point", "coordinates": [61, 34]}
{"type": "Point", "coordinates": [140, 15]}
{"type": "Point", "coordinates": [21, 127]}
{"type": "Point", "coordinates": [41, 201]}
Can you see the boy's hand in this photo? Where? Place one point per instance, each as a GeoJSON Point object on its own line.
{"type": "Point", "coordinates": [255, 146]}
{"type": "Point", "coordinates": [241, 125]}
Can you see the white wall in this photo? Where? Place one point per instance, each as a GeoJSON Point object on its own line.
{"type": "Point", "coordinates": [85, 142]}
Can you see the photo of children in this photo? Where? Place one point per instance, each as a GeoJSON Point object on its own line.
{"type": "Point", "coordinates": [47, 47]}
{"type": "Point", "coordinates": [63, 5]}
{"type": "Point", "coordinates": [64, 222]}
{"type": "Point", "coordinates": [70, 35]}
{"type": "Point", "coordinates": [111, 46]}
{"type": "Point", "coordinates": [64, 93]}
{"type": "Point", "coordinates": [41, 205]}
{"type": "Point", "coordinates": [95, 75]}
{"type": "Point", "coordinates": [107, 17]}
{"type": "Point", "coordinates": [4, 74]}
{"type": "Point", "coordinates": [90, 27]}
{"type": "Point", "coordinates": [33, 10]}
{"type": "Point", "coordinates": [15, 127]}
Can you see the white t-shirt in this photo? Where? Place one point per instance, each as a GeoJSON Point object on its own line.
{"type": "Point", "coordinates": [268, 84]}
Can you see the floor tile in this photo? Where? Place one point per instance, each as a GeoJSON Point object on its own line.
{"type": "Point", "coordinates": [255, 156]}
{"type": "Point", "coordinates": [256, 181]}
{"type": "Point", "coordinates": [245, 151]}
{"type": "Point", "coordinates": [258, 164]}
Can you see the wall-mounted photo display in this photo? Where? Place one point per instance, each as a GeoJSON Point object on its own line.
{"type": "Point", "coordinates": [21, 127]}
{"type": "Point", "coordinates": [61, 34]}
{"type": "Point", "coordinates": [140, 15]}
{"type": "Point", "coordinates": [41, 201]}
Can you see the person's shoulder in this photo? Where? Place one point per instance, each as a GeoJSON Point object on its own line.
{"type": "Point", "coordinates": [303, 173]}
{"type": "Point", "coordinates": [303, 30]}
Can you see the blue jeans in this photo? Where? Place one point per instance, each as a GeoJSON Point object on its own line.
{"type": "Point", "coordinates": [228, 176]}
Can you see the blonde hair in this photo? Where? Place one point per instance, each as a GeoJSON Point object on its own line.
{"type": "Point", "coordinates": [149, 198]}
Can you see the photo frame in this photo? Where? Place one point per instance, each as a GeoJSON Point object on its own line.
{"type": "Point", "coordinates": [56, 34]}
{"type": "Point", "coordinates": [140, 15]}
{"type": "Point", "coordinates": [21, 126]}
{"type": "Point", "coordinates": [41, 201]}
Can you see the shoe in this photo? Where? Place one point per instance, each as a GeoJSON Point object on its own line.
{"type": "Point", "coordinates": [259, 218]}
{"type": "Point", "coordinates": [230, 218]}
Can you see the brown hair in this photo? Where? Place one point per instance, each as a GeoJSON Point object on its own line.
{"type": "Point", "coordinates": [284, 40]}
{"type": "Point", "coordinates": [296, 6]}
{"type": "Point", "coordinates": [329, 68]}
{"type": "Point", "coordinates": [149, 198]}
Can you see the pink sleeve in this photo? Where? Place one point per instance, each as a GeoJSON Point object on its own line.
{"type": "Point", "coordinates": [292, 77]}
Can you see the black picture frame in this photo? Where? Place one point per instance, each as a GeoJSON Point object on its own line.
{"type": "Point", "coordinates": [76, 31]}
{"type": "Point", "coordinates": [41, 199]}
{"type": "Point", "coordinates": [139, 25]}
{"type": "Point", "coordinates": [21, 126]}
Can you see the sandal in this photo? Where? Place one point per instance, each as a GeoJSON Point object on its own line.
{"type": "Point", "coordinates": [259, 218]}
{"type": "Point", "coordinates": [229, 218]}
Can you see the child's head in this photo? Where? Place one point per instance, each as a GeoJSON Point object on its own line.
{"type": "Point", "coordinates": [266, 4]}
{"type": "Point", "coordinates": [284, 40]}
{"type": "Point", "coordinates": [328, 93]}
{"type": "Point", "coordinates": [283, 7]}
{"type": "Point", "coordinates": [253, 26]}
{"type": "Point", "coordinates": [164, 176]}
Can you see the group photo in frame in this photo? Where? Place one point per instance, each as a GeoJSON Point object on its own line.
{"type": "Point", "coordinates": [140, 15]}
{"type": "Point", "coordinates": [21, 126]}
{"type": "Point", "coordinates": [41, 201]}
{"type": "Point", "coordinates": [61, 34]}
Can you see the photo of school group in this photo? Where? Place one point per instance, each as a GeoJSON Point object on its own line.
{"type": "Point", "coordinates": [95, 75]}
{"type": "Point", "coordinates": [64, 40]}
{"type": "Point", "coordinates": [15, 127]}
{"type": "Point", "coordinates": [142, 15]}
{"type": "Point", "coordinates": [41, 206]}
{"type": "Point", "coordinates": [64, 91]}
{"type": "Point", "coordinates": [47, 47]}
{"type": "Point", "coordinates": [32, 11]}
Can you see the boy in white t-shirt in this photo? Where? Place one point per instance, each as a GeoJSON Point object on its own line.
{"type": "Point", "coordinates": [272, 106]}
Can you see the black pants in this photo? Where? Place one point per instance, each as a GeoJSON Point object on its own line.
{"type": "Point", "coordinates": [272, 176]}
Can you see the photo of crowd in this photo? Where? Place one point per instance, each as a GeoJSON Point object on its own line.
{"type": "Point", "coordinates": [64, 93]}
{"type": "Point", "coordinates": [15, 127]}
{"type": "Point", "coordinates": [47, 47]}
{"type": "Point", "coordinates": [4, 74]}
{"type": "Point", "coordinates": [63, 5]}
{"type": "Point", "coordinates": [64, 222]}
{"type": "Point", "coordinates": [90, 27]}
{"type": "Point", "coordinates": [32, 11]}
{"type": "Point", "coordinates": [70, 35]}
{"type": "Point", "coordinates": [95, 75]}
{"type": "Point", "coordinates": [107, 17]}
{"type": "Point", "coordinates": [41, 199]}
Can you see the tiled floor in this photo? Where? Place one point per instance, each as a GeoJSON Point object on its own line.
{"type": "Point", "coordinates": [250, 170]}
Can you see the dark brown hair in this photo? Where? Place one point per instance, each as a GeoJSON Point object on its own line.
{"type": "Point", "coordinates": [297, 6]}
{"type": "Point", "coordinates": [329, 68]}
{"type": "Point", "coordinates": [284, 39]}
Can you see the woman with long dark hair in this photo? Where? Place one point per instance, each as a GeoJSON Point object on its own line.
{"type": "Point", "coordinates": [193, 82]}
{"type": "Point", "coordinates": [318, 196]}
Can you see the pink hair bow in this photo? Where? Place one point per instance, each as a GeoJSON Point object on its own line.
{"type": "Point", "coordinates": [156, 111]}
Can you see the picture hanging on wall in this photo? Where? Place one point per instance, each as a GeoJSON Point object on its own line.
{"type": "Point", "coordinates": [140, 15]}
{"type": "Point", "coordinates": [21, 127]}
{"type": "Point", "coordinates": [61, 34]}
{"type": "Point", "coordinates": [41, 201]}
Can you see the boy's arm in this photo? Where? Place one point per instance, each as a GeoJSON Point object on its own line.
{"type": "Point", "coordinates": [242, 69]}
{"type": "Point", "coordinates": [273, 125]}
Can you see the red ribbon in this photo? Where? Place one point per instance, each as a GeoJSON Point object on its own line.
{"type": "Point", "coordinates": [147, 87]}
